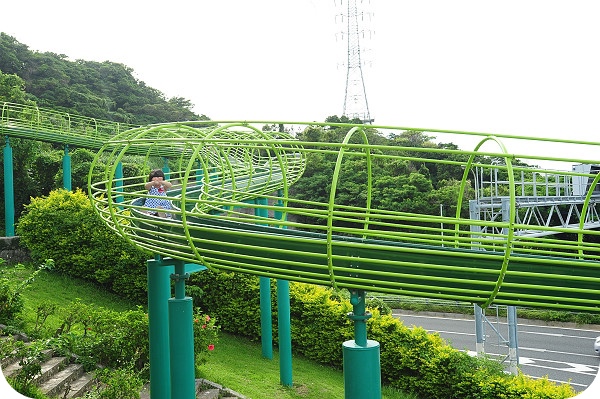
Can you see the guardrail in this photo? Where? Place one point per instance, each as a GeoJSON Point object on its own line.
{"type": "Point", "coordinates": [31, 122]}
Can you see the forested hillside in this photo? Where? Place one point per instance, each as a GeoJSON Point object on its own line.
{"type": "Point", "coordinates": [103, 90]}
{"type": "Point", "coordinates": [108, 90]}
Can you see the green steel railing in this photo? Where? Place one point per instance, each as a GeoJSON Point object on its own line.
{"type": "Point", "coordinates": [30, 122]}
{"type": "Point", "coordinates": [356, 247]}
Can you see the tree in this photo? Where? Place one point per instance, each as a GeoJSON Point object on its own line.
{"type": "Point", "coordinates": [103, 90]}
{"type": "Point", "coordinates": [12, 89]}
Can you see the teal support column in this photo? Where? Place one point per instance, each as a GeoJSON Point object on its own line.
{"type": "Point", "coordinates": [266, 323]}
{"type": "Point", "coordinates": [285, 334]}
{"type": "Point", "coordinates": [9, 190]}
{"type": "Point", "coordinates": [119, 182]}
{"type": "Point", "coordinates": [284, 324]}
{"type": "Point", "coordinates": [199, 173]}
{"type": "Point", "coordinates": [159, 292]}
{"type": "Point", "coordinates": [362, 368]}
{"type": "Point", "coordinates": [67, 169]}
{"type": "Point", "coordinates": [181, 335]}
{"type": "Point", "coordinates": [166, 170]}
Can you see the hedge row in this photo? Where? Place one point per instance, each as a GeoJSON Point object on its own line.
{"type": "Point", "coordinates": [64, 227]}
{"type": "Point", "coordinates": [412, 359]}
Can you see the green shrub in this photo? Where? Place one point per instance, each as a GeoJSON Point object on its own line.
{"type": "Point", "coordinates": [123, 383]}
{"type": "Point", "coordinates": [206, 337]}
{"type": "Point", "coordinates": [26, 389]}
{"type": "Point", "coordinates": [11, 301]}
{"type": "Point", "coordinates": [102, 336]}
{"type": "Point", "coordinates": [30, 358]}
{"type": "Point", "coordinates": [64, 227]}
{"type": "Point", "coordinates": [320, 323]}
{"type": "Point", "coordinates": [234, 299]}
{"type": "Point", "coordinates": [412, 360]}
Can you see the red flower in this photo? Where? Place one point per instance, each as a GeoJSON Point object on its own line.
{"type": "Point", "coordinates": [203, 325]}
{"type": "Point", "coordinates": [211, 347]}
{"type": "Point", "coordinates": [207, 318]}
{"type": "Point", "coordinates": [195, 320]}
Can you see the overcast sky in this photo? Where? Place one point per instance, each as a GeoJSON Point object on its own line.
{"type": "Point", "coordinates": [512, 66]}
{"type": "Point", "coordinates": [523, 67]}
{"type": "Point", "coordinates": [526, 67]}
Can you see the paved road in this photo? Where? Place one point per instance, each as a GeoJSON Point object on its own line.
{"type": "Point", "coordinates": [563, 354]}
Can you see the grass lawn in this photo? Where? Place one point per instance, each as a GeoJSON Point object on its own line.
{"type": "Point", "coordinates": [236, 363]}
{"type": "Point", "coordinates": [59, 289]}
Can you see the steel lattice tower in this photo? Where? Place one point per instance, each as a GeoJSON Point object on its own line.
{"type": "Point", "coordinates": [355, 99]}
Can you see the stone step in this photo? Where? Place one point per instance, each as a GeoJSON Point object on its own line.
{"type": "Point", "coordinates": [203, 385]}
{"type": "Point", "coordinates": [208, 394]}
{"type": "Point", "coordinates": [79, 387]}
{"type": "Point", "coordinates": [11, 369]}
{"type": "Point", "coordinates": [57, 382]}
{"type": "Point", "coordinates": [5, 362]}
{"type": "Point", "coordinates": [50, 367]}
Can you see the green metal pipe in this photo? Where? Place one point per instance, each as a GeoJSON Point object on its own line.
{"type": "Point", "coordinates": [179, 277]}
{"type": "Point", "coordinates": [362, 368]}
{"type": "Point", "coordinates": [284, 320]}
{"type": "Point", "coordinates": [9, 190]}
{"type": "Point", "coordinates": [166, 170]}
{"type": "Point", "coordinates": [181, 328]}
{"type": "Point", "coordinates": [159, 292]}
{"type": "Point", "coordinates": [181, 337]}
{"type": "Point", "coordinates": [266, 324]}
{"type": "Point", "coordinates": [285, 332]}
{"type": "Point", "coordinates": [359, 316]}
{"type": "Point", "coordinates": [119, 181]}
{"type": "Point", "coordinates": [67, 169]}
{"type": "Point", "coordinates": [266, 315]}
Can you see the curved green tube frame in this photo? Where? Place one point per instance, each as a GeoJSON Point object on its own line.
{"type": "Point", "coordinates": [359, 247]}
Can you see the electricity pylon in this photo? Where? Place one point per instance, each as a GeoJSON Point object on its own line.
{"type": "Point", "coordinates": [355, 98]}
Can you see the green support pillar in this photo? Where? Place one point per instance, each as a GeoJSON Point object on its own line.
{"type": "Point", "coordinates": [181, 335]}
{"type": "Point", "coordinates": [67, 169]}
{"type": "Point", "coordinates": [119, 182]}
{"type": "Point", "coordinates": [284, 324]}
{"type": "Point", "coordinates": [9, 190]}
{"type": "Point", "coordinates": [199, 173]}
{"type": "Point", "coordinates": [285, 334]}
{"type": "Point", "coordinates": [166, 170]}
{"type": "Point", "coordinates": [362, 369]}
{"type": "Point", "coordinates": [159, 292]}
{"type": "Point", "coordinates": [266, 323]}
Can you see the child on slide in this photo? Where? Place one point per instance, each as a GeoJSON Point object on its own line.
{"type": "Point", "coordinates": [157, 185]}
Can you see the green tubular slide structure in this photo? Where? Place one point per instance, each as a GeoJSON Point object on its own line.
{"type": "Point", "coordinates": [220, 168]}
{"type": "Point", "coordinates": [234, 208]}
{"type": "Point", "coordinates": [223, 167]}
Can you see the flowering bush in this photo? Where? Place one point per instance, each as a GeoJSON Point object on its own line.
{"type": "Point", "coordinates": [205, 336]}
